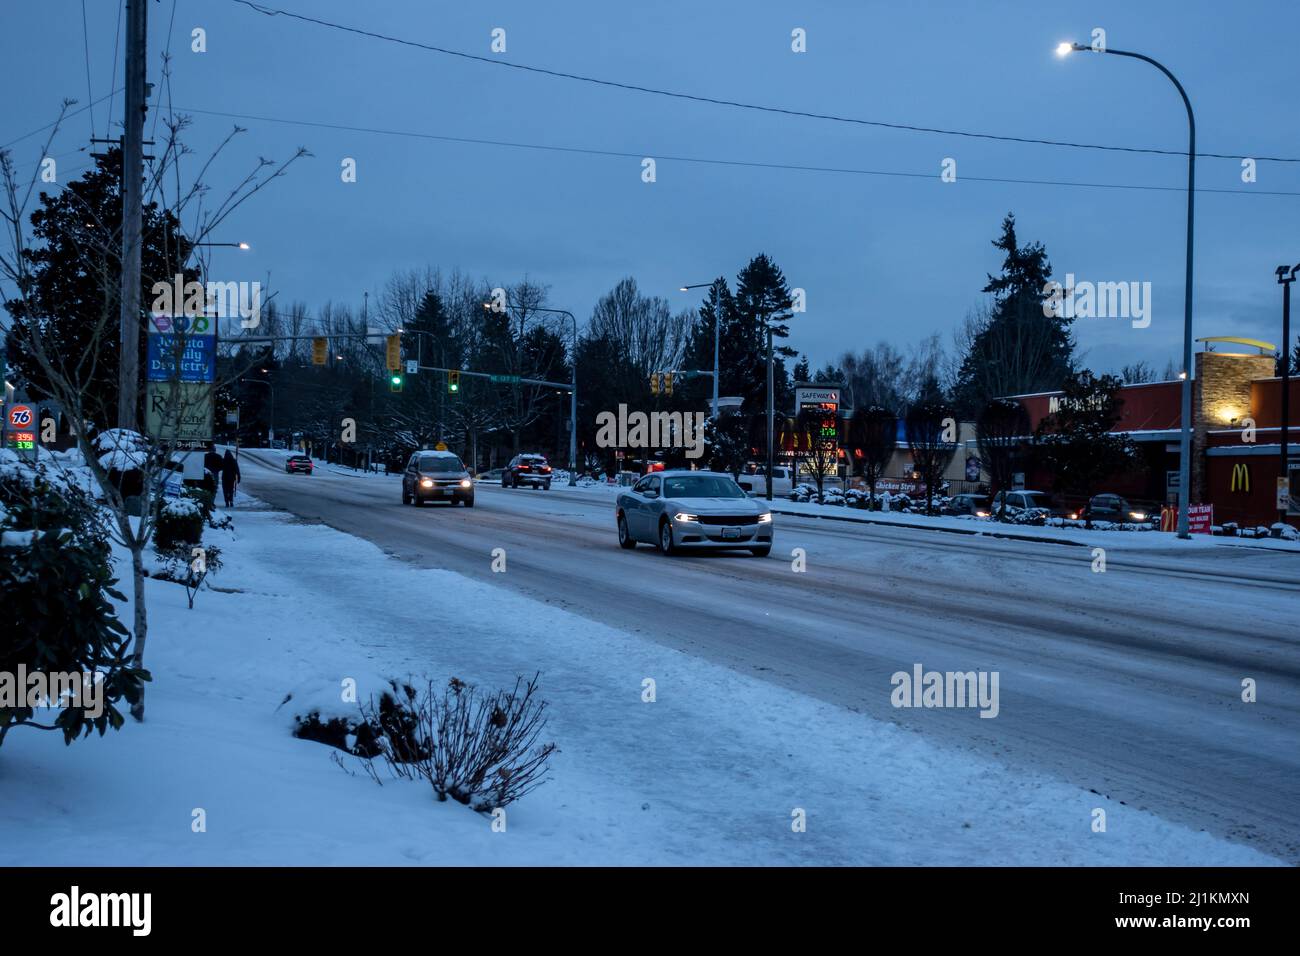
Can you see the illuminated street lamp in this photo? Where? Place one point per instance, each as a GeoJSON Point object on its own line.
{"type": "Point", "coordinates": [1185, 445]}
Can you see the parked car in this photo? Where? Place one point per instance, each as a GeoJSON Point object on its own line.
{"type": "Point", "coordinates": [1032, 507]}
{"type": "Point", "coordinates": [527, 471]}
{"type": "Point", "coordinates": [967, 504]}
{"type": "Point", "coordinates": [298, 463]}
{"type": "Point", "coordinates": [1108, 507]}
{"type": "Point", "coordinates": [681, 510]}
{"type": "Point", "coordinates": [755, 482]}
{"type": "Point", "coordinates": [436, 476]}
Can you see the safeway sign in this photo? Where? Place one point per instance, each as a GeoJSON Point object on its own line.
{"type": "Point", "coordinates": [816, 396]}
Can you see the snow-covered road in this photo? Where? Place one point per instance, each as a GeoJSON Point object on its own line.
{"type": "Point", "coordinates": [1127, 682]}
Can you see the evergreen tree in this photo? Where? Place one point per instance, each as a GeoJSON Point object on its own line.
{"type": "Point", "coordinates": [76, 280]}
{"type": "Point", "coordinates": [762, 300]}
{"type": "Point", "coordinates": [1016, 348]}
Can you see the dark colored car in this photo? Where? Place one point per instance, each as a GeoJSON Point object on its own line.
{"type": "Point", "coordinates": [296, 463]}
{"type": "Point", "coordinates": [527, 470]}
{"type": "Point", "coordinates": [437, 476]}
{"type": "Point", "coordinates": [968, 504]}
{"type": "Point", "coordinates": [1107, 507]}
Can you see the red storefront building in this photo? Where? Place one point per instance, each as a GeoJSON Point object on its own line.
{"type": "Point", "coordinates": [1236, 434]}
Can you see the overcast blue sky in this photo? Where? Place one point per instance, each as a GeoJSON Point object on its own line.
{"type": "Point", "coordinates": [880, 257]}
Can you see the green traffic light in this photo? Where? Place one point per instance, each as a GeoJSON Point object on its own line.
{"type": "Point", "coordinates": [397, 380]}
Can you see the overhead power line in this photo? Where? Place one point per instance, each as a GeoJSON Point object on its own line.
{"type": "Point", "coordinates": [754, 164]}
{"type": "Point", "coordinates": [737, 104]}
{"type": "Point", "coordinates": [66, 116]}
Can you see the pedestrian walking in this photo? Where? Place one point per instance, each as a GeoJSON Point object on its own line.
{"type": "Point", "coordinates": [229, 478]}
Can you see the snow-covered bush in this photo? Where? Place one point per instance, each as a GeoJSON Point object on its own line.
{"type": "Point", "coordinates": [56, 616]}
{"type": "Point", "coordinates": [357, 730]}
{"type": "Point", "coordinates": [180, 522]}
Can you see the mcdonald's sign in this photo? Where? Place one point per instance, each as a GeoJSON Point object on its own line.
{"type": "Point", "coordinates": [1240, 478]}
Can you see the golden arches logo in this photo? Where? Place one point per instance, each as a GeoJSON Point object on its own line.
{"type": "Point", "coordinates": [1240, 478]}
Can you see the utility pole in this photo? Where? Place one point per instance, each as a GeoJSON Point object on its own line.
{"type": "Point", "coordinates": [136, 98]}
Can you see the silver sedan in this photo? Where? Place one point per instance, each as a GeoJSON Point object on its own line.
{"type": "Point", "coordinates": [684, 510]}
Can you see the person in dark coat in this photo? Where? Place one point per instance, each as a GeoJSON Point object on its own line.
{"type": "Point", "coordinates": [230, 477]}
{"type": "Point", "coordinates": [212, 471]}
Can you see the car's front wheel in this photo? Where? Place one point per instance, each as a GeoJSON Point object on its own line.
{"type": "Point", "coordinates": [625, 539]}
{"type": "Point", "coordinates": [666, 543]}
{"type": "Point", "coordinates": [468, 502]}
{"type": "Point", "coordinates": [762, 552]}
{"type": "Point", "coordinates": [406, 499]}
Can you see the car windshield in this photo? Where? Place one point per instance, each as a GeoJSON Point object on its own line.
{"type": "Point", "coordinates": [442, 465]}
{"type": "Point", "coordinates": [701, 486]}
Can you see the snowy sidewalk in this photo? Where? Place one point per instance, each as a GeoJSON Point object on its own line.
{"type": "Point", "coordinates": [1083, 537]}
{"type": "Point", "coordinates": [710, 773]}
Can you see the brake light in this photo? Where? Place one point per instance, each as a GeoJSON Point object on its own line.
{"type": "Point", "coordinates": [546, 467]}
{"type": "Point", "coordinates": [525, 467]}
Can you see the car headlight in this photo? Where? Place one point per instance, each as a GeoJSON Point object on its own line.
{"type": "Point", "coordinates": [1138, 515]}
{"type": "Point", "coordinates": [981, 514]}
{"type": "Point", "coordinates": [765, 518]}
{"type": "Point", "coordinates": [426, 482]}
{"type": "Point", "coordinates": [466, 483]}
{"type": "Point", "coordinates": [683, 516]}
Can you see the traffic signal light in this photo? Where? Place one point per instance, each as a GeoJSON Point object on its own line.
{"type": "Point", "coordinates": [393, 353]}
{"type": "Point", "coordinates": [395, 382]}
{"type": "Point", "coordinates": [668, 383]}
{"type": "Point", "coordinates": [654, 383]}
{"type": "Point", "coordinates": [453, 381]}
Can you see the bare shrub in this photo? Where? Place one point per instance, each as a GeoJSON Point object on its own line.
{"type": "Point", "coordinates": [478, 748]}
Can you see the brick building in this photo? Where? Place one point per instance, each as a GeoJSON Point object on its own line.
{"type": "Point", "coordinates": [1236, 431]}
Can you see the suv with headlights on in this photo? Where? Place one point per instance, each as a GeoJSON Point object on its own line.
{"type": "Point", "coordinates": [436, 476]}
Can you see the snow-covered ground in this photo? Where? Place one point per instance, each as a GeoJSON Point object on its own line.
{"type": "Point", "coordinates": [713, 771]}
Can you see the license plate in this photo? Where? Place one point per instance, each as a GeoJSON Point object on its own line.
{"type": "Point", "coordinates": [731, 532]}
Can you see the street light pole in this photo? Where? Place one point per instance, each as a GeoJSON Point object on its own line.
{"type": "Point", "coordinates": [771, 406]}
{"type": "Point", "coordinates": [717, 329]}
{"type": "Point", "coordinates": [1285, 276]}
{"type": "Point", "coordinates": [1185, 444]}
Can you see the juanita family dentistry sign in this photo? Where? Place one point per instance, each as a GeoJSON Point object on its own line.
{"type": "Point", "coordinates": [182, 367]}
